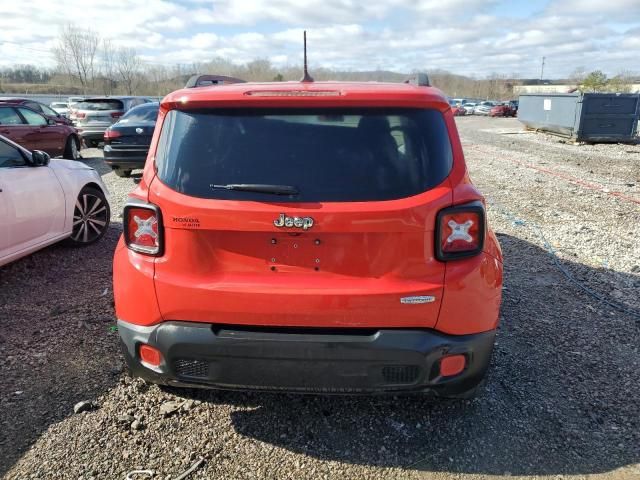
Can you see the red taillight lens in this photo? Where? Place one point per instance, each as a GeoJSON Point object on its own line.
{"type": "Point", "coordinates": [116, 114]}
{"type": "Point", "coordinates": [111, 134]}
{"type": "Point", "coordinates": [143, 229]}
{"type": "Point", "coordinates": [80, 114]}
{"type": "Point", "coordinates": [460, 231]}
{"type": "Point", "coordinates": [150, 355]}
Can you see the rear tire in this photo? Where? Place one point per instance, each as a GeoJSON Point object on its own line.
{"type": "Point", "coordinates": [122, 173]}
{"type": "Point", "coordinates": [90, 217]}
{"type": "Point", "coordinates": [72, 149]}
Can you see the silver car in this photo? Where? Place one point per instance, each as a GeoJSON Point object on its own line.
{"type": "Point", "coordinates": [483, 108]}
{"type": "Point", "coordinates": [468, 107]}
{"type": "Point", "coordinates": [93, 116]}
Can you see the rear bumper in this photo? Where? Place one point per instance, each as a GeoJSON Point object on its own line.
{"type": "Point", "coordinates": [92, 132]}
{"type": "Point", "coordinates": [121, 158]}
{"type": "Point", "coordinates": [96, 136]}
{"type": "Point", "coordinates": [307, 360]}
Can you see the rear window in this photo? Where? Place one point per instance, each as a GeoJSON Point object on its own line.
{"type": "Point", "coordinates": [327, 155]}
{"type": "Point", "coordinates": [99, 104]}
{"type": "Point", "coordinates": [142, 114]}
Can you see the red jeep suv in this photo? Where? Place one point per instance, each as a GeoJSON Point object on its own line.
{"type": "Point", "coordinates": [312, 237]}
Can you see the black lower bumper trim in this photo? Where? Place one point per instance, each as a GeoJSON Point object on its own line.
{"type": "Point", "coordinates": [307, 360]}
{"type": "Point", "coordinates": [126, 162]}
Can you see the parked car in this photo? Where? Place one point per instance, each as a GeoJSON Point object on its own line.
{"type": "Point", "coordinates": [45, 201]}
{"type": "Point", "coordinates": [468, 107]}
{"type": "Point", "coordinates": [94, 115]}
{"type": "Point", "coordinates": [72, 103]}
{"type": "Point", "coordinates": [483, 108]}
{"type": "Point", "coordinates": [41, 108]}
{"type": "Point", "coordinates": [315, 237]}
{"type": "Point", "coordinates": [62, 108]}
{"type": "Point", "coordinates": [126, 142]}
{"type": "Point", "coordinates": [34, 131]}
{"type": "Point", "coordinates": [502, 110]}
{"type": "Point", "coordinates": [458, 111]}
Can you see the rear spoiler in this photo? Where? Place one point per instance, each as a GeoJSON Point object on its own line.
{"type": "Point", "coordinates": [208, 80]}
{"type": "Point", "coordinates": [419, 79]}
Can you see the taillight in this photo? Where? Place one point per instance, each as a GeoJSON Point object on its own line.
{"type": "Point", "coordinates": [116, 114]}
{"type": "Point", "coordinates": [460, 231]}
{"type": "Point", "coordinates": [143, 228]}
{"type": "Point", "coordinates": [80, 115]}
{"type": "Point", "coordinates": [111, 134]}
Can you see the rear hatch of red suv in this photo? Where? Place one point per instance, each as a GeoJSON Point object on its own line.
{"type": "Point", "coordinates": [309, 217]}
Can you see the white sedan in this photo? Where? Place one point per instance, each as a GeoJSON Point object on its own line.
{"type": "Point", "coordinates": [60, 107]}
{"type": "Point", "coordinates": [44, 201]}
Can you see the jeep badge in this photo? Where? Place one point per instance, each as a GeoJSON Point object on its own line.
{"type": "Point", "coordinates": [297, 222]}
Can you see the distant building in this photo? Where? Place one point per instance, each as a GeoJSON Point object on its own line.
{"type": "Point", "coordinates": [564, 88]}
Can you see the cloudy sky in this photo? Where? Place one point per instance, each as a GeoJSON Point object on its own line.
{"type": "Point", "coordinates": [471, 37]}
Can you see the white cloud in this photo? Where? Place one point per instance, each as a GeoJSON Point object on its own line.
{"type": "Point", "coordinates": [473, 37]}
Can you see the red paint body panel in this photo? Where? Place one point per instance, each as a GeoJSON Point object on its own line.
{"type": "Point", "coordinates": [133, 286]}
{"type": "Point", "coordinates": [350, 269]}
{"type": "Point", "coordinates": [473, 290]}
{"type": "Point", "coordinates": [232, 265]}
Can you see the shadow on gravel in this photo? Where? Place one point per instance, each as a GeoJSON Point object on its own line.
{"type": "Point", "coordinates": [55, 342]}
{"type": "Point", "coordinates": [93, 158]}
{"type": "Point", "coordinates": [561, 396]}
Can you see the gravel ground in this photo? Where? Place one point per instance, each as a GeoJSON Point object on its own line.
{"type": "Point", "coordinates": [561, 400]}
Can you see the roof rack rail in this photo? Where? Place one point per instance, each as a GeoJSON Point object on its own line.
{"type": "Point", "coordinates": [208, 80]}
{"type": "Point", "coordinates": [419, 79]}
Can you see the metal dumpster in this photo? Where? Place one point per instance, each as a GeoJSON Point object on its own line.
{"type": "Point", "coordinates": [588, 117]}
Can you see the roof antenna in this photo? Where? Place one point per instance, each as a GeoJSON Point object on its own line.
{"type": "Point", "coordinates": [306, 77]}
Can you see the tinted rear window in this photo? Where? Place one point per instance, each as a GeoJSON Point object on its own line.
{"type": "Point", "coordinates": [142, 114]}
{"type": "Point", "coordinates": [98, 105]}
{"type": "Point", "coordinates": [327, 155]}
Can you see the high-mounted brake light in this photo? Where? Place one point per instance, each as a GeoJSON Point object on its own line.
{"type": "Point", "coordinates": [460, 231]}
{"type": "Point", "coordinates": [143, 228]}
{"type": "Point", "coordinates": [293, 93]}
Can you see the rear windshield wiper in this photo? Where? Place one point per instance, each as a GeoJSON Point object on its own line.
{"type": "Point", "coordinates": [259, 188]}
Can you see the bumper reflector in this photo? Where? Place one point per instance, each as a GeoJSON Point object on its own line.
{"type": "Point", "coordinates": [452, 365]}
{"type": "Point", "coordinates": [150, 355]}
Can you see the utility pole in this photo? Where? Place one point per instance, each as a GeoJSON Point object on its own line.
{"type": "Point", "coordinates": [542, 69]}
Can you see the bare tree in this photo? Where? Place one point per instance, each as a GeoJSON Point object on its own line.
{"type": "Point", "coordinates": [129, 67]}
{"type": "Point", "coordinates": [578, 76]}
{"type": "Point", "coordinates": [76, 54]}
{"type": "Point", "coordinates": [108, 55]}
